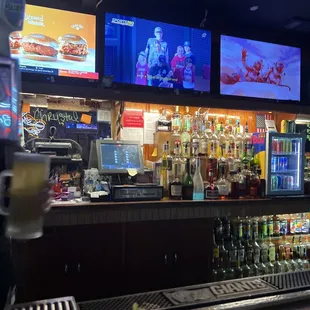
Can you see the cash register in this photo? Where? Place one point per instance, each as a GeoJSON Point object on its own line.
{"type": "Point", "coordinates": [122, 162]}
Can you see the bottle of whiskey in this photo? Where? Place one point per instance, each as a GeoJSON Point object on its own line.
{"type": "Point", "coordinates": [185, 136]}
{"type": "Point", "coordinates": [212, 161]}
{"type": "Point", "coordinates": [188, 182]}
{"type": "Point", "coordinates": [211, 191]}
{"type": "Point", "coordinates": [175, 187]}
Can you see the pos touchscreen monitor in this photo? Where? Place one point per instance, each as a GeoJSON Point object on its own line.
{"type": "Point", "coordinates": [117, 157]}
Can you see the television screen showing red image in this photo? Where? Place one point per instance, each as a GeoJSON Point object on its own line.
{"type": "Point", "coordinates": [258, 69]}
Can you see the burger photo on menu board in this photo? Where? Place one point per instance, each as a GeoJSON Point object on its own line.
{"type": "Point", "coordinates": [40, 47]}
{"type": "Point", "coordinates": [73, 47]}
{"type": "Point", "coordinates": [15, 42]}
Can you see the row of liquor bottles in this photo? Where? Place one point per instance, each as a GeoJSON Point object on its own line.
{"type": "Point", "coordinates": [201, 178]}
{"type": "Point", "coordinates": [247, 247]}
{"type": "Point", "coordinates": [197, 135]}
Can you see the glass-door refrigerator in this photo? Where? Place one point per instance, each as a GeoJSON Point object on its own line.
{"type": "Point", "coordinates": [285, 154]}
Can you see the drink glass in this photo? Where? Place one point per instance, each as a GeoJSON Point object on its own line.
{"type": "Point", "coordinates": [25, 212]}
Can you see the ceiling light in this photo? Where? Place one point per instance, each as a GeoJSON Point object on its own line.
{"type": "Point", "coordinates": [253, 8]}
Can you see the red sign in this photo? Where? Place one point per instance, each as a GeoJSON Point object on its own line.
{"type": "Point", "coordinates": [132, 118]}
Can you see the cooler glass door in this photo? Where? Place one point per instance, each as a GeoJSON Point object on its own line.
{"type": "Point", "coordinates": [285, 164]}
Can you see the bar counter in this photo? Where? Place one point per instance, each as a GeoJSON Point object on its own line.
{"type": "Point", "coordinates": [87, 213]}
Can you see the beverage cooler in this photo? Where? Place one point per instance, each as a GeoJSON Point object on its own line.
{"type": "Point", "coordinates": [285, 154]}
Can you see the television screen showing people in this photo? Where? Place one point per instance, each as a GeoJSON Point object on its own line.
{"type": "Point", "coordinates": [149, 53]}
{"type": "Point", "coordinates": [258, 69]}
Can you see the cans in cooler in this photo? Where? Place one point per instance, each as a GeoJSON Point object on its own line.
{"type": "Point", "coordinates": [294, 146]}
{"type": "Point", "coordinates": [280, 181]}
{"type": "Point", "coordinates": [279, 143]}
{"type": "Point", "coordinates": [274, 183]}
{"type": "Point", "coordinates": [284, 163]}
{"type": "Point", "coordinates": [274, 162]}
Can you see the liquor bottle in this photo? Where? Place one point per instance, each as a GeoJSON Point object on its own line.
{"type": "Point", "coordinates": [240, 249]}
{"type": "Point", "coordinates": [245, 159]}
{"type": "Point", "coordinates": [305, 261]}
{"type": "Point", "coordinates": [238, 141]}
{"type": "Point", "coordinates": [298, 228]}
{"type": "Point", "coordinates": [302, 247]}
{"type": "Point", "coordinates": [247, 175]}
{"type": "Point", "coordinates": [262, 185]}
{"type": "Point", "coordinates": [283, 225]}
{"type": "Point", "coordinates": [194, 161]}
{"type": "Point", "coordinates": [270, 266]}
{"type": "Point", "coordinates": [254, 228]}
{"type": "Point", "coordinates": [213, 140]}
{"type": "Point", "coordinates": [256, 250]}
{"type": "Point", "coordinates": [230, 161]}
{"type": "Point", "coordinates": [231, 141]}
{"type": "Point", "coordinates": [216, 250]}
{"type": "Point", "coordinates": [305, 224]}
{"type": "Point", "coordinates": [169, 160]}
{"type": "Point", "coordinates": [176, 120]}
{"type": "Point", "coordinates": [246, 223]}
{"type": "Point", "coordinates": [198, 191]}
{"type": "Point", "coordinates": [232, 252]}
{"type": "Point", "coordinates": [285, 247]}
{"type": "Point", "coordinates": [293, 264]}
{"type": "Point", "coordinates": [262, 269]}
{"type": "Point", "coordinates": [185, 136]}
{"type": "Point", "coordinates": [248, 249]}
{"type": "Point", "coordinates": [204, 142]}
{"type": "Point", "coordinates": [226, 230]}
{"type": "Point", "coordinates": [230, 273]}
{"type": "Point", "coordinates": [218, 230]}
{"type": "Point", "coordinates": [254, 184]}
{"type": "Point", "coordinates": [286, 267]}
{"type": "Point", "coordinates": [242, 183]}
{"type": "Point", "coordinates": [238, 269]}
{"type": "Point", "coordinates": [212, 161]}
{"type": "Point", "coordinates": [299, 260]}
{"type": "Point", "coordinates": [215, 267]}
{"type": "Point", "coordinates": [246, 270]}
{"type": "Point", "coordinates": [234, 185]}
{"type": "Point", "coordinates": [264, 250]}
{"type": "Point", "coordinates": [271, 250]}
{"type": "Point", "coordinates": [277, 265]}
{"type": "Point", "coordinates": [187, 121]}
{"type": "Point", "coordinates": [211, 191]}
{"type": "Point", "coordinates": [276, 226]}
{"type": "Point", "coordinates": [247, 136]}
{"type": "Point", "coordinates": [195, 138]}
{"type": "Point", "coordinates": [237, 160]}
{"type": "Point", "coordinates": [221, 272]}
{"type": "Point", "coordinates": [222, 140]}
{"type": "Point", "coordinates": [262, 227]}
{"type": "Point", "coordinates": [270, 226]}
{"type": "Point", "coordinates": [188, 183]}
{"type": "Point", "coordinates": [252, 158]}
{"type": "Point", "coordinates": [163, 123]}
{"type": "Point", "coordinates": [222, 184]}
{"type": "Point", "coordinates": [164, 171]}
{"type": "Point", "coordinates": [222, 250]}
{"type": "Point", "coordinates": [175, 187]}
{"type": "Point", "coordinates": [254, 270]}
{"type": "Point", "coordinates": [178, 165]}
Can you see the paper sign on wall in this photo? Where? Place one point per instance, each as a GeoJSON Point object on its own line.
{"type": "Point", "coordinates": [133, 118]}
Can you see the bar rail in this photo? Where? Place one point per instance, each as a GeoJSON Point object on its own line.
{"type": "Point", "coordinates": [66, 214]}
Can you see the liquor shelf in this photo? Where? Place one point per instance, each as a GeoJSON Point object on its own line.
{"type": "Point", "coordinates": [66, 214]}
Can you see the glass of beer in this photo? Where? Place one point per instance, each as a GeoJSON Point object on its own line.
{"type": "Point", "coordinates": [25, 212]}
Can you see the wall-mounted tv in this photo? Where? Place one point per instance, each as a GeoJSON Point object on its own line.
{"type": "Point", "coordinates": [149, 53]}
{"type": "Point", "coordinates": [259, 69]}
{"type": "Point", "coordinates": [56, 42]}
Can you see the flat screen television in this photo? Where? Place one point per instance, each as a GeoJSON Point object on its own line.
{"type": "Point", "coordinates": [149, 53]}
{"type": "Point", "coordinates": [56, 42]}
{"type": "Point", "coordinates": [259, 69]}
